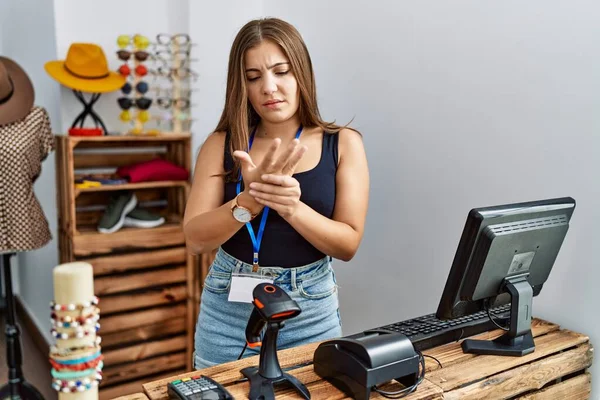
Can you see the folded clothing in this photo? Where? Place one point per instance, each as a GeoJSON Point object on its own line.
{"type": "Point", "coordinates": [154, 170]}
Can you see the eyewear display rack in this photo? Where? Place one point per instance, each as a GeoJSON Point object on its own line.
{"type": "Point", "coordinates": [145, 278]}
{"type": "Point", "coordinates": [178, 72]}
{"type": "Point", "coordinates": [162, 67]}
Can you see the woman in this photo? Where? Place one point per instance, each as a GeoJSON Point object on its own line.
{"type": "Point", "coordinates": [304, 180]}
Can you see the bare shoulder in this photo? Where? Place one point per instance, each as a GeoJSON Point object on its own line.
{"type": "Point", "coordinates": [211, 152]}
{"type": "Point", "coordinates": [214, 141]}
{"type": "Point", "coordinates": [350, 143]}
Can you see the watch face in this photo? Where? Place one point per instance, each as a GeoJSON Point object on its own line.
{"type": "Point", "coordinates": [242, 215]}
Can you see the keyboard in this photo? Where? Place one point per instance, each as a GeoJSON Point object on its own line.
{"type": "Point", "coordinates": [428, 331]}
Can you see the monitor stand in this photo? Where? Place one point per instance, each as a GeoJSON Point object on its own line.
{"type": "Point", "coordinates": [518, 341]}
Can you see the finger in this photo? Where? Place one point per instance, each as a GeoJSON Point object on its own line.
{"type": "Point", "coordinates": [272, 189]}
{"type": "Point", "coordinates": [294, 160]}
{"type": "Point", "coordinates": [274, 206]}
{"type": "Point", "coordinates": [282, 160]}
{"type": "Point", "coordinates": [267, 162]}
{"type": "Point", "coordinates": [274, 198]}
{"type": "Point", "coordinates": [244, 158]}
{"type": "Point", "coordinates": [279, 180]}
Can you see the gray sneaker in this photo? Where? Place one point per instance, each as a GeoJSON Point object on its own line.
{"type": "Point", "coordinates": [140, 218]}
{"type": "Point", "coordinates": [118, 207]}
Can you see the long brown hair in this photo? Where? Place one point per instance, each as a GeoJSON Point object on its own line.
{"type": "Point", "coordinates": [238, 115]}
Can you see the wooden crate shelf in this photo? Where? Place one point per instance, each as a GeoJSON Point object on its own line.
{"type": "Point", "coordinates": [91, 243]}
{"type": "Point", "coordinates": [145, 279]}
{"type": "Point", "coordinates": [132, 186]}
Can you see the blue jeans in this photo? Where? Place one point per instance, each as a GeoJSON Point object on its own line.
{"type": "Point", "coordinates": [220, 330]}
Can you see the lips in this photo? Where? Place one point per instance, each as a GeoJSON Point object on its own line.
{"type": "Point", "coordinates": [272, 102]}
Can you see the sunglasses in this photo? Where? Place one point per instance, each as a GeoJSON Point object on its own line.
{"type": "Point", "coordinates": [166, 102]}
{"type": "Point", "coordinates": [142, 116]}
{"type": "Point", "coordinates": [139, 41]}
{"type": "Point", "coordinates": [140, 87]}
{"type": "Point", "coordinates": [180, 72]}
{"type": "Point", "coordinates": [166, 39]}
{"type": "Point", "coordinates": [139, 55]}
{"type": "Point", "coordinates": [167, 91]}
{"type": "Point", "coordinates": [169, 54]}
{"type": "Point", "coordinates": [143, 103]}
{"type": "Point", "coordinates": [140, 70]}
{"type": "Point", "coordinates": [168, 116]}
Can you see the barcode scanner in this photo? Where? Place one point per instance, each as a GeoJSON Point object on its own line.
{"type": "Point", "coordinates": [272, 307]}
{"type": "Point", "coordinates": [271, 304]}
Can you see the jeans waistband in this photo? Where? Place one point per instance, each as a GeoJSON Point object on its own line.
{"type": "Point", "coordinates": [226, 263]}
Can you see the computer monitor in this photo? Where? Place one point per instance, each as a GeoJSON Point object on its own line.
{"type": "Point", "coordinates": [505, 255]}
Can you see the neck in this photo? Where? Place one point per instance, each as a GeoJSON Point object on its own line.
{"type": "Point", "coordinates": [282, 130]}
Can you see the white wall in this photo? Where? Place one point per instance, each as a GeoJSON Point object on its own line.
{"type": "Point", "coordinates": [213, 29]}
{"type": "Point", "coordinates": [461, 105]}
{"type": "Point", "coordinates": [30, 44]}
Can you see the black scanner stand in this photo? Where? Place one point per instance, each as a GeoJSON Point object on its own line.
{"type": "Point", "coordinates": [357, 363]}
{"type": "Point", "coordinates": [269, 372]}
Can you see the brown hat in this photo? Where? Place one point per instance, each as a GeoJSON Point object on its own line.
{"type": "Point", "coordinates": [16, 92]}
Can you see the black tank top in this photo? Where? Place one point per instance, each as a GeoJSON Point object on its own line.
{"type": "Point", "coordinates": [281, 245]}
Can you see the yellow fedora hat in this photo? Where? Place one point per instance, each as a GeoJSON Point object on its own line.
{"type": "Point", "coordinates": [85, 69]}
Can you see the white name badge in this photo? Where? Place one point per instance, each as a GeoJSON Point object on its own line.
{"type": "Point", "coordinates": [242, 286]}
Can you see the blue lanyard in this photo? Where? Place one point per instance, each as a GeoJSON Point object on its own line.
{"type": "Point", "coordinates": [256, 240]}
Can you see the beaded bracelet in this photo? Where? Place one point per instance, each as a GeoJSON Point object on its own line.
{"type": "Point", "coordinates": [80, 360]}
{"type": "Point", "coordinates": [94, 314]}
{"type": "Point", "coordinates": [82, 385]}
{"type": "Point", "coordinates": [73, 307]}
{"type": "Point", "coordinates": [79, 334]}
{"type": "Point", "coordinates": [76, 367]}
{"type": "Point", "coordinates": [70, 375]}
{"type": "Point", "coordinates": [65, 352]}
{"type": "Point", "coordinates": [79, 322]}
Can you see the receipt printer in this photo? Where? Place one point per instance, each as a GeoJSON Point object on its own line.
{"type": "Point", "coordinates": [356, 363]}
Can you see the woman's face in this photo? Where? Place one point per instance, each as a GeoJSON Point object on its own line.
{"type": "Point", "coordinates": [272, 86]}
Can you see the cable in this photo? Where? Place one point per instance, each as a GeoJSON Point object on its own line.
{"type": "Point", "coordinates": [243, 350]}
{"type": "Point", "coordinates": [407, 390]}
{"type": "Point", "coordinates": [487, 309]}
{"type": "Point", "coordinates": [436, 360]}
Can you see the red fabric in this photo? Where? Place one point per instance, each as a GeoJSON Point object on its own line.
{"type": "Point", "coordinates": [154, 170]}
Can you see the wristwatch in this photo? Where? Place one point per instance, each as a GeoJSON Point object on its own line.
{"type": "Point", "coordinates": [241, 214]}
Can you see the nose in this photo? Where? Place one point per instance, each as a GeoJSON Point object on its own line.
{"type": "Point", "coordinates": [269, 85]}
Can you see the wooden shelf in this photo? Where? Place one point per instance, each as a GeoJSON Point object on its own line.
{"type": "Point", "coordinates": [133, 186]}
{"type": "Point", "coordinates": [165, 137]}
{"type": "Point", "coordinates": [91, 242]}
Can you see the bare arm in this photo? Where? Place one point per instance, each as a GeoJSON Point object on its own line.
{"type": "Point", "coordinates": [340, 236]}
{"type": "Point", "coordinates": [208, 222]}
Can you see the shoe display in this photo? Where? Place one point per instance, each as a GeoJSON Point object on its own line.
{"type": "Point", "coordinates": [140, 218]}
{"type": "Point", "coordinates": [118, 207]}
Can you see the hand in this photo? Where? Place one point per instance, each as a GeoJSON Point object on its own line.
{"type": "Point", "coordinates": [279, 192]}
{"type": "Point", "coordinates": [285, 164]}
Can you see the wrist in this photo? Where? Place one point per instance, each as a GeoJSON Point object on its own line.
{"type": "Point", "coordinates": [294, 215]}
{"type": "Point", "coordinates": [247, 201]}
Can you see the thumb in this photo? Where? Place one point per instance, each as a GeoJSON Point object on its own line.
{"type": "Point", "coordinates": [244, 158]}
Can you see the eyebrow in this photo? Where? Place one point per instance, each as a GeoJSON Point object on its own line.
{"type": "Point", "coordinates": [270, 67]}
